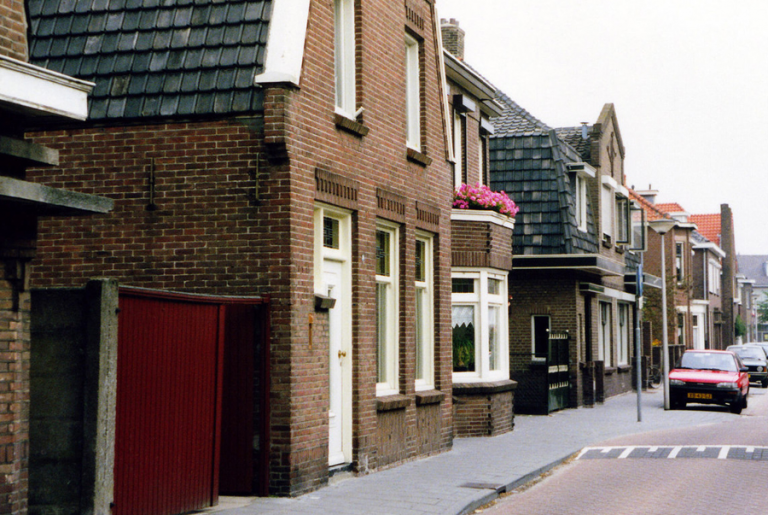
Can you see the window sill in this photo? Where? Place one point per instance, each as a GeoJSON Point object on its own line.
{"type": "Point", "coordinates": [418, 157]}
{"type": "Point", "coordinates": [484, 388]}
{"type": "Point", "coordinates": [609, 371]}
{"type": "Point", "coordinates": [607, 244]}
{"type": "Point", "coordinates": [392, 402]}
{"type": "Point", "coordinates": [427, 397]}
{"type": "Point", "coordinates": [351, 126]}
{"type": "Point", "coordinates": [623, 369]}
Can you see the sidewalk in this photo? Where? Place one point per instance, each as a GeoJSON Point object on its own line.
{"type": "Point", "coordinates": [477, 469]}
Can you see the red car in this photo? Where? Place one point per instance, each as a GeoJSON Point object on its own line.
{"type": "Point", "coordinates": [709, 377]}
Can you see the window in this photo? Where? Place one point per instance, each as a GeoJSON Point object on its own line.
{"type": "Point", "coordinates": [696, 332]}
{"type": "Point", "coordinates": [483, 158]}
{"type": "Point", "coordinates": [540, 336]}
{"type": "Point", "coordinates": [412, 93]}
{"type": "Point", "coordinates": [607, 212]}
{"type": "Point", "coordinates": [479, 314]}
{"type": "Point", "coordinates": [624, 329]}
{"type": "Point", "coordinates": [679, 271]}
{"type": "Point", "coordinates": [622, 220]}
{"type": "Point", "coordinates": [714, 277]}
{"type": "Point", "coordinates": [425, 379]}
{"type": "Point", "coordinates": [680, 329]}
{"type": "Point", "coordinates": [604, 334]}
{"type": "Point", "coordinates": [386, 309]}
{"type": "Point", "coordinates": [459, 172]}
{"type": "Point", "coordinates": [581, 202]}
{"type": "Point", "coordinates": [344, 45]}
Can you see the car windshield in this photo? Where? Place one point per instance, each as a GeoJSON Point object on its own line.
{"type": "Point", "coordinates": [708, 361]}
{"type": "Point", "coordinates": [748, 352]}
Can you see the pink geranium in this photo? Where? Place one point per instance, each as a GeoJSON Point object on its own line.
{"type": "Point", "coordinates": [481, 197]}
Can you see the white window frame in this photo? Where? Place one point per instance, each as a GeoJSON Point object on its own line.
{"type": "Point", "coordinates": [344, 51]}
{"type": "Point", "coordinates": [607, 211]}
{"type": "Point", "coordinates": [604, 332]}
{"type": "Point", "coordinates": [714, 277]}
{"type": "Point", "coordinates": [481, 300]}
{"type": "Point", "coordinates": [679, 261]}
{"type": "Point", "coordinates": [389, 383]}
{"type": "Point", "coordinates": [458, 149]}
{"type": "Point", "coordinates": [581, 202]}
{"type": "Point", "coordinates": [425, 333]}
{"type": "Point", "coordinates": [412, 94]}
{"type": "Point", "coordinates": [624, 332]}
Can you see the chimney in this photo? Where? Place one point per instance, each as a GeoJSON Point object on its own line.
{"type": "Point", "coordinates": [453, 37]}
{"type": "Point", "coordinates": [649, 194]}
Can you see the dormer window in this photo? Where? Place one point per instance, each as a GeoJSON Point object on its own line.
{"type": "Point", "coordinates": [582, 172]}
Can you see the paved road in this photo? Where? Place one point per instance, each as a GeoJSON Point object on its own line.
{"type": "Point", "coordinates": [478, 469]}
{"type": "Point", "coordinates": [720, 468]}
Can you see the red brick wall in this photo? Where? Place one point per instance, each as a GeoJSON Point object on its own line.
{"type": "Point", "coordinates": [13, 29]}
{"type": "Point", "coordinates": [207, 235]}
{"type": "Point", "coordinates": [14, 399]}
{"type": "Point", "coordinates": [484, 414]}
{"type": "Point", "coordinates": [481, 244]}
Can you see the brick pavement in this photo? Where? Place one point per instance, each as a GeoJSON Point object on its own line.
{"type": "Point", "coordinates": [477, 469]}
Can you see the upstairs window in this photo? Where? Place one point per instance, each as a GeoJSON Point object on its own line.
{"type": "Point", "coordinates": [607, 202]}
{"type": "Point", "coordinates": [344, 46]}
{"type": "Point", "coordinates": [412, 93]}
{"type": "Point", "coordinates": [459, 170]}
{"type": "Point", "coordinates": [679, 267]}
{"type": "Point", "coordinates": [581, 203]}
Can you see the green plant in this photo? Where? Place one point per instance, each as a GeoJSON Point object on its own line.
{"type": "Point", "coordinates": [739, 327]}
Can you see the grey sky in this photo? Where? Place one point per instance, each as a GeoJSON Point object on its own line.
{"type": "Point", "coordinates": [689, 79]}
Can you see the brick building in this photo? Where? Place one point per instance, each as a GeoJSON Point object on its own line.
{"type": "Point", "coordinates": [481, 257]}
{"type": "Point", "coordinates": [29, 96]}
{"type": "Point", "coordinates": [289, 150]}
{"type": "Point", "coordinates": [573, 264]}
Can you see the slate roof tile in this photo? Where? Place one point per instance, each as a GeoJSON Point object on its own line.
{"type": "Point", "coordinates": [151, 57]}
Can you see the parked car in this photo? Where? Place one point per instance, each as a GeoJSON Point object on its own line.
{"type": "Point", "coordinates": [755, 360]}
{"type": "Point", "coordinates": [761, 345]}
{"type": "Point", "coordinates": [709, 377]}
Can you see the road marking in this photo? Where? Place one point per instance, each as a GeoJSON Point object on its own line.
{"type": "Point", "coordinates": [721, 452]}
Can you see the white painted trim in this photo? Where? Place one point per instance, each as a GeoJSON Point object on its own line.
{"type": "Point", "coordinates": [42, 91]}
{"type": "Point", "coordinates": [447, 127]}
{"type": "Point", "coordinates": [710, 246]}
{"type": "Point", "coordinates": [285, 42]}
{"type": "Point", "coordinates": [617, 294]}
{"type": "Point", "coordinates": [479, 215]}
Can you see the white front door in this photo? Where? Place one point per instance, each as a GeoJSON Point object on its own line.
{"type": "Point", "coordinates": [332, 276]}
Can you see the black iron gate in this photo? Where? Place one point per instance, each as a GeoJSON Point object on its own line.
{"type": "Point", "coordinates": [558, 377]}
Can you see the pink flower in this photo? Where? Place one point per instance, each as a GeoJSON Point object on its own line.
{"type": "Point", "coordinates": [481, 197]}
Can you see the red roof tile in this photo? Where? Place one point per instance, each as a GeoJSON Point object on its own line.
{"type": "Point", "coordinates": [708, 226]}
{"type": "Point", "coordinates": [670, 207]}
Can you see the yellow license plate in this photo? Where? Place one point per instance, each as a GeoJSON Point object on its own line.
{"type": "Point", "coordinates": [699, 395]}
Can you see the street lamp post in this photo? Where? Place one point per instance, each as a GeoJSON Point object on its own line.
{"type": "Point", "coordinates": [662, 226]}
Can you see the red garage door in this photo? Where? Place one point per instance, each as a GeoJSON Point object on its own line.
{"type": "Point", "coordinates": [169, 400]}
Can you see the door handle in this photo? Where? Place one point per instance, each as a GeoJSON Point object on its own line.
{"type": "Point", "coordinates": [342, 354]}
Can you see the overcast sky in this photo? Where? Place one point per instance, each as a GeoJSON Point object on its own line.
{"type": "Point", "coordinates": [689, 79]}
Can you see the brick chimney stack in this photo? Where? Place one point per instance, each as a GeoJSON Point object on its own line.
{"type": "Point", "coordinates": [13, 30]}
{"type": "Point", "coordinates": [453, 37]}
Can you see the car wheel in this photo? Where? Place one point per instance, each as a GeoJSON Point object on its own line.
{"type": "Point", "coordinates": [764, 383]}
{"type": "Point", "coordinates": [677, 405]}
{"type": "Point", "coordinates": [744, 402]}
{"type": "Point", "coordinates": [737, 406]}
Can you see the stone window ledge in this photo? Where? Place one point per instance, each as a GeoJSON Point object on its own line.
{"type": "Point", "coordinates": [429, 397]}
{"type": "Point", "coordinates": [484, 388]}
{"type": "Point", "coordinates": [418, 157]}
{"type": "Point", "coordinates": [392, 402]}
{"type": "Point", "coordinates": [351, 126]}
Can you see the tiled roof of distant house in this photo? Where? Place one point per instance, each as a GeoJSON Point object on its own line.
{"type": "Point", "coordinates": [515, 119]}
{"type": "Point", "coordinates": [754, 267]}
{"type": "Point", "coordinates": [155, 58]}
{"type": "Point", "coordinates": [708, 226]}
{"type": "Point", "coordinates": [670, 207]}
{"type": "Point", "coordinates": [652, 212]}
{"type": "Point", "coordinates": [573, 136]}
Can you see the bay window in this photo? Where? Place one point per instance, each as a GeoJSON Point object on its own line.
{"type": "Point", "coordinates": [479, 317]}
